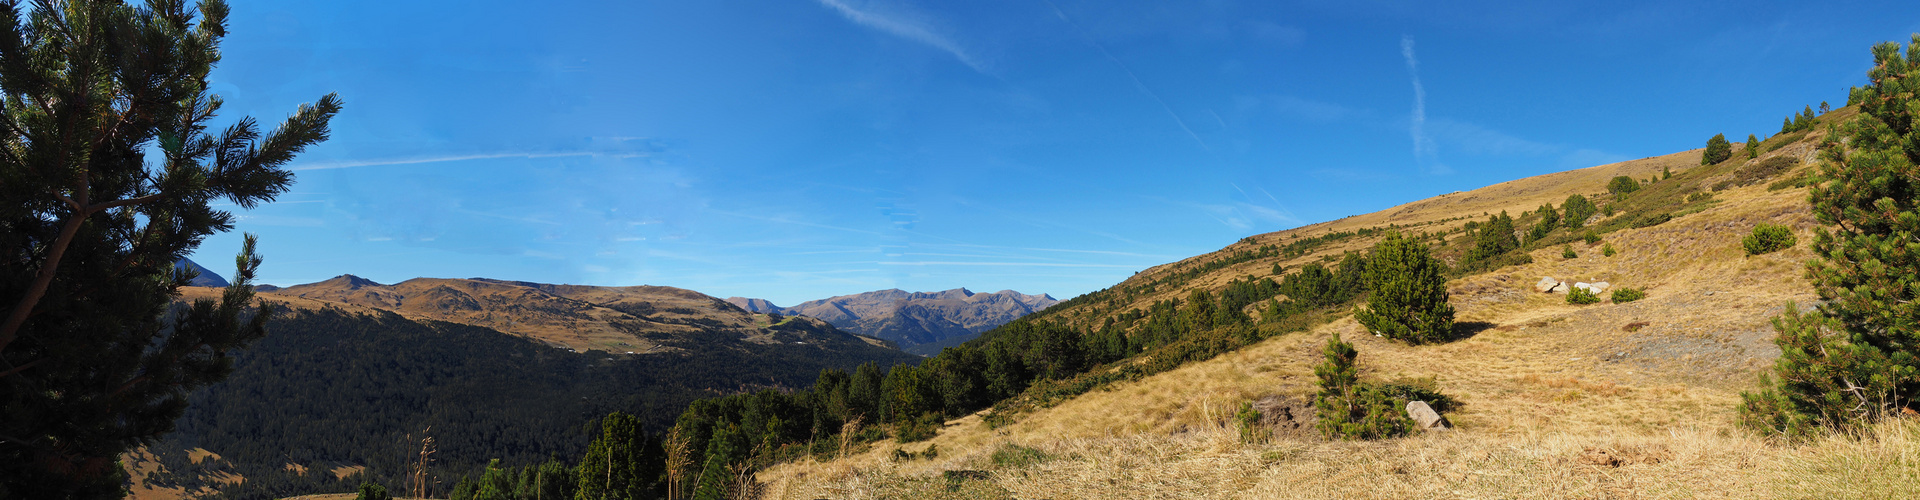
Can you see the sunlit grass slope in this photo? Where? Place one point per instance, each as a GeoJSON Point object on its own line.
{"type": "Point", "coordinates": [1605, 400]}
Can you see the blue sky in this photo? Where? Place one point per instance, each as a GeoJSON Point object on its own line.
{"type": "Point", "coordinates": [803, 149]}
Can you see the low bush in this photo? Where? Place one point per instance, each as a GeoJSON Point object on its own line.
{"type": "Point", "coordinates": [1014, 456]}
{"type": "Point", "coordinates": [1764, 169]}
{"type": "Point", "coordinates": [1608, 250]}
{"type": "Point", "coordinates": [1653, 220]}
{"type": "Point", "coordinates": [1624, 294]}
{"type": "Point", "coordinates": [1768, 238]}
{"type": "Point", "coordinates": [1421, 389]}
{"type": "Point", "coordinates": [1581, 296]}
{"type": "Point", "coordinates": [1590, 238]}
{"type": "Point", "coordinates": [1802, 179]}
{"type": "Point", "coordinates": [1566, 252]}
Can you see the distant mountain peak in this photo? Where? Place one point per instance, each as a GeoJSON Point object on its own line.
{"type": "Point", "coordinates": [205, 277]}
{"type": "Point", "coordinates": [351, 282]}
{"type": "Point", "coordinates": [920, 322]}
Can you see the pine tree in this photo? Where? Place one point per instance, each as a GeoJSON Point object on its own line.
{"type": "Point", "coordinates": [1718, 150]}
{"type": "Point", "coordinates": [1549, 220]}
{"type": "Point", "coordinates": [1409, 293]}
{"type": "Point", "coordinates": [90, 363]}
{"type": "Point", "coordinates": [716, 477]}
{"type": "Point", "coordinates": [1753, 147]}
{"type": "Point", "coordinates": [622, 463]}
{"type": "Point", "coordinates": [1856, 358]}
{"type": "Point", "coordinates": [1622, 185]}
{"type": "Point", "coordinates": [1578, 209]}
{"type": "Point", "coordinates": [1348, 409]}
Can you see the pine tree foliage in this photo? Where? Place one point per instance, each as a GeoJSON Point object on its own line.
{"type": "Point", "coordinates": [90, 229]}
{"type": "Point", "coordinates": [1857, 358]}
{"type": "Point", "coordinates": [624, 462]}
{"type": "Point", "coordinates": [1577, 210]}
{"type": "Point", "coordinates": [1718, 150]}
{"type": "Point", "coordinates": [1408, 299]}
{"type": "Point", "coordinates": [1495, 238]}
{"type": "Point", "coordinates": [1349, 409]}
{"type": "Point", "coordinates": [1752, 147]}
{"type": "Point", "coordinates": [1622, 185]}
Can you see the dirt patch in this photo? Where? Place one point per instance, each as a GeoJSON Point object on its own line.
{"type": "Point", "coordinates": [1625, 455]}
{"type": "Point", "coordinates": [1288, 416]}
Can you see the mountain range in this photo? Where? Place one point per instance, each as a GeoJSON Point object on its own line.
{"type": "Point", "coordinates": [919, 322]}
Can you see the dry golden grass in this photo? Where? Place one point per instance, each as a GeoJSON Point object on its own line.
{"type": "Point", "coordinates": [1561, 401]}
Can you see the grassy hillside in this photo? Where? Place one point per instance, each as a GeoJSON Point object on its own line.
{"type": "Point", "coordinates": [1603, 400]}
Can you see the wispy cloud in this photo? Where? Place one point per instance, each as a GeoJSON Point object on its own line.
{"type": "Point", "coordinates": [902, 24]}
{"type": "Point", "coordinates": [1137, 84]}
{"type": "Point", "coordinates": [433, 159]}
{"type": "Point", "coordinates": [1423, 146]}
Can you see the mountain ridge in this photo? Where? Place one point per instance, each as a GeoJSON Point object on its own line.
{"type": "Point", "coordinates": [920, 322]}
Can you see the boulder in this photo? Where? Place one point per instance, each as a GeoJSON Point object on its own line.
{"type": "Point", "coordinates": [1547, 284]}
{"type": "Point", "coordinates": [1425, 418]}
{"type": "Point", "coordinates": [1595, 288]}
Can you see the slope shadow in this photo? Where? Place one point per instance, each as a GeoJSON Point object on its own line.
{"type": "Point", "coordinates": [1463, 330]}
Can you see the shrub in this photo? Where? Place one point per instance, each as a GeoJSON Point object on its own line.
{"type": "Point", "coordinates": [1248, 421]}
{"type": "Point", "coordinates": [1624, 294]}
{"type": "Point", "coordinates": [1581, 296]}
{"type": "Point", "coordinates": [1014, 456]}
{"type": "Point", "coordinates": [1768, 238]}
{"type": "Point", "coordinates": [1607, 250]}
{"type": "Point", "coordinates": [1622, 185]}
{"type": "Point", "coordinates": [1698, 197]}
{"type": "Point", "coordinates": [1718, 150]}
{"type": "Point", "coordinates": [918, 429]}
{"type": "Point", "coordinates": [1566, 252]}
{"type": "Point", "coordinates": [373, 491]}
{"type": "Point", "coordinates": [1590, 238]}
{"type": "Point", "coordinates": [1425, 389]}
{"type": "Point", "coordinates": [1346, 408]}
{"type": "Point", "coordinates": [1770, 167]}
{"type": "Point", "coordinates": [1653, 220]}
{"type": "Point", "coordinates": [1607, 210]}
{"type": "Point", "coordinates": [1804, 179]}
{"type": "Point", "coordinates": [1409, 293]}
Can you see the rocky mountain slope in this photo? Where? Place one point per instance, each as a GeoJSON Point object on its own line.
{"type": "Point", "coordinates": [1559, 400]}
{"type": "Point", "coordinates": [636, 319]}
{"type": "Point", "coordinates": [920, 322]}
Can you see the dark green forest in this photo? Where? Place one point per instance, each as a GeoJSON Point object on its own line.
{"type": "Point", "coordinates": [330, 387]}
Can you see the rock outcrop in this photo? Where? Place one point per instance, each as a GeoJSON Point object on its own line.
{"type": "Point", "coordinates": [1425, 418]}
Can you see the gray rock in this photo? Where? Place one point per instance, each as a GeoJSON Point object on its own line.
{"type": "Point", "coordinates": [1595, 288]}
{"type": "Point", "coordinates": [1425, 418]}
{"type": "Point", "coordinates": [1548, 284]}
